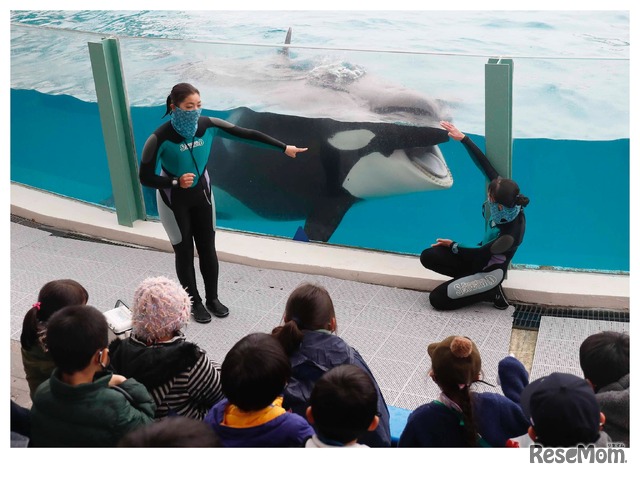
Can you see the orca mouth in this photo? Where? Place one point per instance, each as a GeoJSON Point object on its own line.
{"type": "Point", "coordinates": [429, 160]}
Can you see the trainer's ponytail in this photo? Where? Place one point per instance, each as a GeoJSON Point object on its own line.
{"type": "Point", "coordinates": [168, 106]}
{"type": "Point", "coordinates": [522, 200]}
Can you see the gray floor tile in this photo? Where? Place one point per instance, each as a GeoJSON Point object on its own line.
{"type": "Point", "coordinates": [391, 374]}
{"type": "Point", "coordinates": [403, 348]}
{"type": "Point", "coordinates": [395, 298]}
{"type": "Point", "coordinates": [378, 318]}
{"type": "Point", "coordinates": [390, 327]}
{"type": "Point", "coordinates": [559, 340]}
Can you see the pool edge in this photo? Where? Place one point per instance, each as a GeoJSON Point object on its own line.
{"type": "Point", "coordinates": [542, 287]}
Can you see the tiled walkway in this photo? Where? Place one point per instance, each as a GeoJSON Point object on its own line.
{"type": "Point", "coordinates": [390, 327]}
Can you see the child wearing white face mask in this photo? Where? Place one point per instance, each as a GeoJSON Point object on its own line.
{"type": "Point", "coordinates": [82, 404]}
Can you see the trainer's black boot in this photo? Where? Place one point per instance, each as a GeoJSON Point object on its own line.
{"type": "Point", "coordinates": [200, 313]}
{"type": "Point", "coordinates": [217, 308]}
{"type": "Point", "coordinates": [500, 301]}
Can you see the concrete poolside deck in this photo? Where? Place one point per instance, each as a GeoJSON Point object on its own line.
{"type": "Point", "coordinates": [543, 287]}
{"type": "Point", "coordinates": [381, 301]}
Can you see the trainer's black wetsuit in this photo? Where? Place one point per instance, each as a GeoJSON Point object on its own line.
{"type": "Point", "coordinates": [476, 271]}
{"type": "Point", "coordinates": [188, 215]}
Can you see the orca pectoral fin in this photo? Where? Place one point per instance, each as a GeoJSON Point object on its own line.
{"type": "Point", "coordinates": [327, 215]}
{"type": "Point", "coordinates": [300, 235]}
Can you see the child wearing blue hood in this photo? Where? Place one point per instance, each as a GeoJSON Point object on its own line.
{"type": "Point", "coordinates": [478, 272]}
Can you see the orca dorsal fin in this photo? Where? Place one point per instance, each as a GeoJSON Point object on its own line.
{"type": "Point", "coordinates": [287, 41]}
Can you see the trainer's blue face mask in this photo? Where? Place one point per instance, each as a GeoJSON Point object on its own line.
{"type": "Point", "coordinates": [504, 216]}
{"type": "Point", "coordinates": [186, 122]}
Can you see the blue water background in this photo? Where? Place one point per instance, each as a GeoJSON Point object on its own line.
{"type": "Point", "coordinates": [571, 125]}
{"type": "Point", "coordinates": [570, 221]}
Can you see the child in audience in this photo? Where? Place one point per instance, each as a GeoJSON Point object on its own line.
{"type": "Point", "coordinates": [513, 377]}
{"type": "Point", "coordinates": [178, 374]}
{"type": "Point", "coordinates": [176, 431]}
{"type": "Point", "coordinates": [254, 374]}
{"type": "Point", "coordinates": [563, 412]}
{"type": "Point", "coordinates": [343, 407]}
{"type": "Point", "coordinates": [20, 425]}
{"type": "Point", "coordinates": [604, 359]}
{"type": "Point", "coordinates": [308, 336]}
{"type": "Point", "coordinates": [461, 417]}
{"type": "Point", "coordinates": [54, 295]}
{"type": "Point", "coordinates": [81, 405]}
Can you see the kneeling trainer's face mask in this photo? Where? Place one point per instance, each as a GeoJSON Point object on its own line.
{"type": "Point", "coordinates": [185, 122]}
{"type": "Point", "coordinates": [504, 216]}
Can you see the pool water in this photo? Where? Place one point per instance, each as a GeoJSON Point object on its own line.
{"type": "Point", "coordinates": [578, 217]}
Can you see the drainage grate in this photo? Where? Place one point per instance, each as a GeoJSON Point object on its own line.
{"type": "Point", "coordinates": [527, 317]}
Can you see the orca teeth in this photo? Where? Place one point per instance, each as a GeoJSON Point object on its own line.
{"type": "Point", "coordinates": [426, 159]}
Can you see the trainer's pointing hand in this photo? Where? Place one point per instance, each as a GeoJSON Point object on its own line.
{"type": "Point", "coordinates": [291, 151]}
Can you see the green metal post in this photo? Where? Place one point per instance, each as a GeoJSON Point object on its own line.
{"type": "Point", "coordinates": [498, 100]}
{"type": "Point", "coordinates": [498, 90]}
{"type": "Point", "coordinates": [117, 130]}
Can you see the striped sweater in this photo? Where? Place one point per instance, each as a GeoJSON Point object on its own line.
{"type": "Point", "coordinates": [179, 375]}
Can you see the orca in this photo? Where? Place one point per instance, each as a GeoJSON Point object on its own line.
{"type": "Point", "coordinates": [366, 138]}
{"type": "Point", "coordinates": [346, 162]}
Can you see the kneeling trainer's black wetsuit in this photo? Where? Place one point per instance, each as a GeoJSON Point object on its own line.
{"type": "Point", "coordinates": [188, 215]}
{"type": "Point", "coordinates": [476, 271]}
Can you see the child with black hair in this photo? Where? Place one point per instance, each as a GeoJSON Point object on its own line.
{"type": "Point", "coordinates": [254, 373]}
{"type": "Point", "coordinates": [82, 405]}
{"type": "Point", "coordinates": [343, 407]}
{"type": "Point", "coordinates": [461, 417]}
{"type": "Point", "coordinates": [53, 296]}
{"type": "Point", "coordinates": [604, 359]}
{"type": "Point", "coordinates": [308, 336]}
{"type": "Point", "coordinates": [175, 431]}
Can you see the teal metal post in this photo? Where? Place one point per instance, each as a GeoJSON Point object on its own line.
{"type": "Point", "coordinates": [498, 101]}
{"type": "Point", "coordinates": [117, 130]}
{"type": "Point", "coordinates": [498, 92]}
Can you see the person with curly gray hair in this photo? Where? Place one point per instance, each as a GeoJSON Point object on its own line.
{"type": "Point", "coordinates": [178, 374]}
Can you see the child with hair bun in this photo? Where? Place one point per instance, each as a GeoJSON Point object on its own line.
{"type": "Point", "coordinates": [461, 417]}
{"type": "Point", "coordinates": [178, 374]}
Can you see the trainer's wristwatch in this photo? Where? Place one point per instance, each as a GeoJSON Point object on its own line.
{"type": "Point", "coordinates": [175, 181]}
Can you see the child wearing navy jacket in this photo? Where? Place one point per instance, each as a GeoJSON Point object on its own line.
{"type": "Point", "coordinates": [461, 417]}
{"type": "Point", "coordinates": [254, 373]}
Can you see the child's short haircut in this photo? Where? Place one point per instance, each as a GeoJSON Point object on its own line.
{"type": "Point", "coordinates": [74, 334]}
{"type": "Point", "coordinates": [254, 372]}
{"type": "Point", "coordinates": [604, 357]}
{"type": "Point", "coordinates": [177, 431]}
{"type": "Point", "coordinates": [343, 403]}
